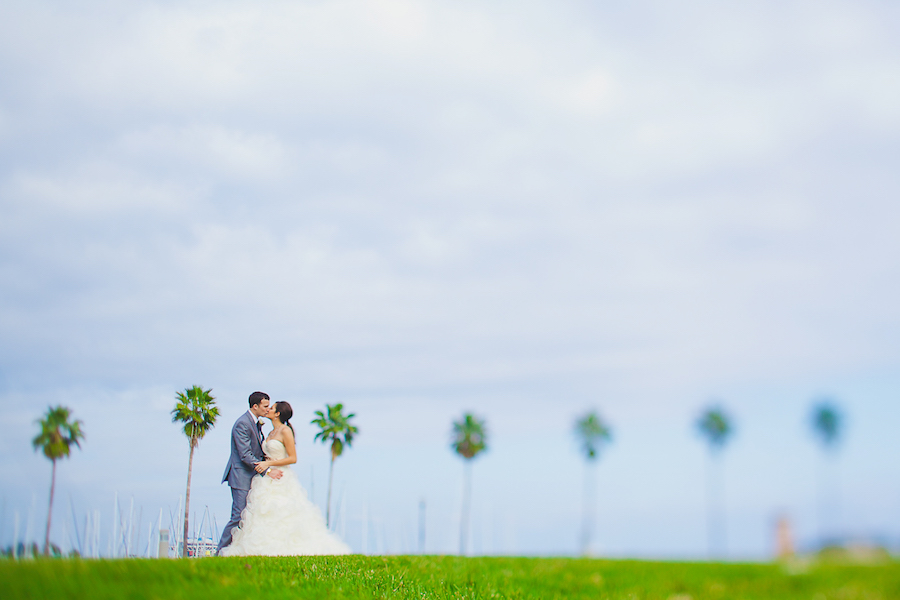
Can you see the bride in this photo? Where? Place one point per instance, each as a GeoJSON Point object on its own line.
{"type": "Point", "coordinates": [279, 519]}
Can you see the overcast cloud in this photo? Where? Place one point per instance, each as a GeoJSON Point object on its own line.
{"type": "Point", "coordinates": [419, 208]}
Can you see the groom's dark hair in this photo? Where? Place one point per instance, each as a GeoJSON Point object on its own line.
{"type": "Point", "coordinates": [257, 397]}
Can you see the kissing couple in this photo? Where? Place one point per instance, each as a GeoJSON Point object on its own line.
{"type": "Point", "coordinates": [271, 514]}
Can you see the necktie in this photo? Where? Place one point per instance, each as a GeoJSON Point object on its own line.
{"type": "Point", "coordinates": [259, 430]}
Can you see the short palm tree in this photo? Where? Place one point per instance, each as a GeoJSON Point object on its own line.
{"type": "Point", "coordinates": [592, 434]}
{"type": "Point", "coordinates": [715, 425]}
{"type": "Point", "coordinates": [826, 424]}
{"type": "Point", "coordinates": [55, 440]}
{"type": "Point", "coordinates": [469, 440]}
{"type": "Point", "coordinates": [336, 427]}
{"type": "Point", "coordinates": [196, 409]}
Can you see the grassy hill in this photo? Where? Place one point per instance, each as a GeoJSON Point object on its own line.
{"type": "Point", "coordinates": [439, 577]}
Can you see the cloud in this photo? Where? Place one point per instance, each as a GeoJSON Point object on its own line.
{"type": "Point", "coordinates": [426, 207]}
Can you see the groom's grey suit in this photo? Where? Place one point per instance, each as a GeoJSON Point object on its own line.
{"type": "Point", "coordinates": [246, 449]}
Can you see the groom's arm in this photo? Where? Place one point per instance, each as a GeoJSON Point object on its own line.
{"type": "Point", "coordinates": [242, 441]}
{"type": "Point", "coordinates": [242, 435]}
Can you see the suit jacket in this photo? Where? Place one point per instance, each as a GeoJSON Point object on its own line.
{"type": "Point", "coordinates": [245, 450]}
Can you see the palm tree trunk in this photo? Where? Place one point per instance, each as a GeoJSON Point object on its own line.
{"type": "Point", "coordinates": [328, 505]}
{"type": "Point", "coordinates": [828, 500]}
{"type": "Point", "coordinates": [187, 504]}
{"type": "Point", "coordinates": [821, 508]}
{"type": "Point", "coordinates": [716, 508]}
{"type": "Point", "coordinates": [50, 510]}
{"type": "Point", "coordinates": [587, 523]}
{"type": "Point", "coordinates": [710, 509]}
{"type": "Point", "coordinates": [464, 517]}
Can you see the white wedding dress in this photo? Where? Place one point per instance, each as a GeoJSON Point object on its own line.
{"type": "Point", "coordinates": [279, 519]}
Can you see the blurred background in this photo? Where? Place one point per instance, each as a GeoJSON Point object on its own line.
{"type": "Point", "coordinates": [526, 210]}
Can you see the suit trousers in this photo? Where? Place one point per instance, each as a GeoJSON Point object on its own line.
{"type": "Point", "coordinates": [238, 504]}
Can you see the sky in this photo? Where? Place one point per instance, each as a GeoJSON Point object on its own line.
{"type": "Point", "coordinates": [527, 210]}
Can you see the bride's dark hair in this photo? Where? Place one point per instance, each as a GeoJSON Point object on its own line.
{"type": "Point", "coordinates": [284, 413]}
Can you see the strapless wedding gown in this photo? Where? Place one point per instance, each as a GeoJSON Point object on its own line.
{"type": "Point", "coordinates": [279, 519]}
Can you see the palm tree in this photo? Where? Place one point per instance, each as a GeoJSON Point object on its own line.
{"type": "Point", "coordinates": [337, 428]}
{"type": "Point", "coordinates": [715, 425]}
{"type": "Point", "coordinates": [55, 441]}
{"type": "Point", "coordinates": [592, 433]}
{"type": "Point", "coordinates": [826, 424]}
{"type": "Point", "coordinates": [196, 408]}
{"type": "Point", "coordinates": [469, 439]}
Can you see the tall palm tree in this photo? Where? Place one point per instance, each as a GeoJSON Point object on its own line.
{"type": "Point", "coordinates": [196, 409]}
{"type": "Point", "coordinates": [592, 433]}
{"type": "Point", "coordinates": [55, 440]}
{"type": "Point", "coordinates": [336, 427]}
{"type": "Point", "coordinates": [469, 440]}
{"type": "Point", "coordinates": [715, 425]}
{"type": "Point", "coordinates": [827, 422]}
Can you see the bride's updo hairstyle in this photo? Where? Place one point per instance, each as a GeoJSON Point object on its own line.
{"type": "Point", "coordinates": [285, 413]}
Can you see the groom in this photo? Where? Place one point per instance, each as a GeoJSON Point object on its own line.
{"type": "Point", "coordinates": [246, 451]}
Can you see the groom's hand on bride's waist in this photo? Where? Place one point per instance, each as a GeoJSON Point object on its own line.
{"type": "Point", "coordinates": [263, 468]}
{"type": "Point", "coordinates": [273, 473]}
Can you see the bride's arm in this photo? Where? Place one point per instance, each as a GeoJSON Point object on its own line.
{"type": "Point", "coordinates": [288, 441]}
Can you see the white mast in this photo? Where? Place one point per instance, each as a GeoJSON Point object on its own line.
{"type": "Point", "coordinates": [365, 528]}
{"type": "Point", "coordinates": [128, 529]}
{"type": "Point", "coordinates": [159, 533]}
{"type": "Point", "coordinates": [16, 535]}
{"type": "Point", "coordinates": [28, 523]}
{"type": "Point", "coordinates": [113, 545]}
{"type": "Point", "coordinates": [96, 534]}
{"type": "Point", "coordinates": [88, 535]}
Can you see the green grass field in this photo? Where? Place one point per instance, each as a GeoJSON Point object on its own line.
{"type": "Point", "coordinates": [439, 577]}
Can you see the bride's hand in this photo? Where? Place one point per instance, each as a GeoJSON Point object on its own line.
{"type": "Point", "coordinates": [262, 466]}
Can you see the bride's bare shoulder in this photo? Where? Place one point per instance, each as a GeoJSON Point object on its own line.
{"type": "Point", "coordinates": [283, 434]}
